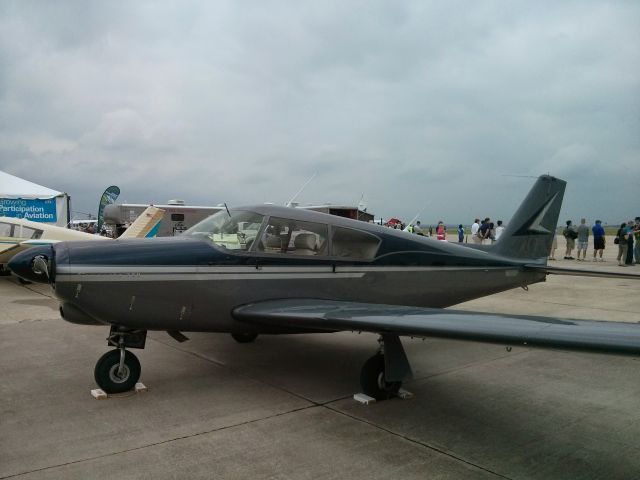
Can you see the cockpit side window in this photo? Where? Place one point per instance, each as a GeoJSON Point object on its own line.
{"type": "Point", "coordinates": [234, 230]}
{"type": "Point", "coordinates": [284, 235]}
{"type": "Point", "coordinates": [351, 243]}
{"type": "Point", "coordinates": [31, 233]}
{"type": "Point", "coordinates": [6, 229]}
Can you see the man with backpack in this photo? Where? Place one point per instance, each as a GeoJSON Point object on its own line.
{"type": "Point", "coordinates": [570, 234]}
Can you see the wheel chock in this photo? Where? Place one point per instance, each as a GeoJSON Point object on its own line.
{"type": "Point", "coordinates": [99, 394]}
{"type": "Point", "coordinates": [404, 394]}
{"type": "Point", "coordinates": [363, 398]}
{"type": "Point", "coordinates": [140, 388]}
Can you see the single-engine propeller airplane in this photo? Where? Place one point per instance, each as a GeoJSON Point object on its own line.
{"type": "Point", "coordinates": [276, 270]}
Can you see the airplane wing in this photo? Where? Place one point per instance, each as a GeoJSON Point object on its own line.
{"type": "Point", "coordinates": [7, 247]}
{"type": "Point", "coordinates": [332, 316]}
{"type": "Point", "coordinates": [146, 225]}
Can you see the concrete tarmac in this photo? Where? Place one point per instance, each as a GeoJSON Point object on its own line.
{"type": "Point", "coordinates": [282, 406]}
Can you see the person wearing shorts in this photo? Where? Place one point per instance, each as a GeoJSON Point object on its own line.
{"type": "Point", "coordinates": [583, 239]}
{"type": "Point", "coordinates": [598, 240]}
{"type": "Point", "coordinates": [570, 234]}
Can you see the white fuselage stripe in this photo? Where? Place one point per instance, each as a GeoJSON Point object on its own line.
{"type": "Point", "coordinates": [164, 269]}
{"type": "Point", "coordinates": [172, 277]}
{"type": "Point", "coordinates": [90, 273]}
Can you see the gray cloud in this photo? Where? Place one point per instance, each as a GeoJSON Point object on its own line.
{"type": "Point", "coordinates": [420, 105]}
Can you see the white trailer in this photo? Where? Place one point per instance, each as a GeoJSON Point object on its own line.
{"type": "Point", "coordinates": [177, 218]}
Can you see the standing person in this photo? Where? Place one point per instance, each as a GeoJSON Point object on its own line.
{"type": "Point", "coordinates": [460, 233]}
{"type": "Point", "coordinates": [441, 232]}
{"type": "Point", "coordinates": [474, 231]}
{"type": "Point", "coordinates": [583, 239]}
{"type": "Point", "coordinates": [416, 229]}
{"type": "Point", "coordinates": [492, 232]}
{"type": "Point", "coordinates": [485, 229]}
{"type": "Point", "coordinates": [630, 226]}
{"type": "Point", "coordinates": [431, 230]}
{"type": "Point", "coordinates": [636, 238]}
{"type": "Point", "coordinates": [598, 240]}
{"type": "Point", "coordinates": [621, 240]}
{"type": "Point", "coordinates": [554, 246]}
{"type": "Point", "coordinates": [570, 234]}
{"type": "Point", "coordinates": [499, 230]}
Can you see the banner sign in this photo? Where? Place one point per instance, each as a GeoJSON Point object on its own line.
{"type": "Point", "coordinates": [108, 197]}
{"type": "Point", "coordinates": [36, 210]}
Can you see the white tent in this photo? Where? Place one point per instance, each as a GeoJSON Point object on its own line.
{"type": "Point", "coordinates": [23, 199]}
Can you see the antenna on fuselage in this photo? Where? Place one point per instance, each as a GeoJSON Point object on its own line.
{"type": "Point", "coordinates": [405, 229]}
{"type": "Point", "coordinates": [413, 221]}
{"type": "Point", "coordinates": [227, 208]}
{"type": "Point", "coordinates": [290, 202]}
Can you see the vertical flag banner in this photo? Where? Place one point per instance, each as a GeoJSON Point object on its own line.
{"type": "Point", "coordinates": [109, 196]}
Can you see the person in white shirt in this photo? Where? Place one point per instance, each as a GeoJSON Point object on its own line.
{"type": "Point", "coordinates": [499, 230]}
{"type": "Point", "coordinates": [474, 231]}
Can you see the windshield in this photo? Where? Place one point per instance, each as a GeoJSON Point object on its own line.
{"type": "Point", "coordinates": [235, 230]}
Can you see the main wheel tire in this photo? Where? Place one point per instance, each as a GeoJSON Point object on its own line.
{"type": "Point", "coordinates": [244, 337]}
{"type": "Point", "coordinates": [106, 372]}
{"type": "Point", "coordinates": [373, 382]}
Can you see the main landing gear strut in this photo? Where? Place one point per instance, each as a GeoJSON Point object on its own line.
{"type": "Point", "coordinates": [118, 370]}
{"type": "Point", "coordinates": [382, 375]}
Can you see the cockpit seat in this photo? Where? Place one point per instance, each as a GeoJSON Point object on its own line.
{"type": "Point", "coordinates": [271, 243]}
{"type": "Point", "coordinates": [305, 244]}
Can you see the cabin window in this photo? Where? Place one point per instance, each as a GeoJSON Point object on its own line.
{"type": "Point", "coordinates": [30, 233]}
{"type": "Point", "coordinates": [177, 217]}
{"type": "Point", "coordinates": [6, 229]}
{"type": "Point", "coordinates": [284, 235]}
{"type": "Point", "coordinates": [234, 230]}
{"type": "Point", "coordinates": [351, 243]}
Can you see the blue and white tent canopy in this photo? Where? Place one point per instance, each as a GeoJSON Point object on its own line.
{"type": "Point", "coordinates": [15, 187]}
{"type": "Point", "coordinates": [21, 198]}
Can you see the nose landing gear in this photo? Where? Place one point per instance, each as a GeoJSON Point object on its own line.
{"type": "Point", "coordinates": [119, 370]}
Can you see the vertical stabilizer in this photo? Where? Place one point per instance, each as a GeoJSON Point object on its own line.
{"type": "Point", "coordinates": [530, 232]}
{"type": "Point", "coordinates": [146, 225]}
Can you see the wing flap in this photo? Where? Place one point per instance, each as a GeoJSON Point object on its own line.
{"type": "Point", "coordinates": [331, 316]}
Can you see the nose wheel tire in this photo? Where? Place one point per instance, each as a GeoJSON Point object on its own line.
{"type": "Point", "coordinates": [372, 379]}
{"type": "Point", "coordinates": [244, 337]}
{"type": "Point", "coordinates": [111, 378]}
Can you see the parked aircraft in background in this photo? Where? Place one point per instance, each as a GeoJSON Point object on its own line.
{"type": "Point", "coordinates": [277, 270]}
{"type": "Point", "coordinates": [17, 234]}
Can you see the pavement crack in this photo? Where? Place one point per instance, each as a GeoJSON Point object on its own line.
{"type": "Point", "coordinates": [39, 293]}
{"type": "Point", "coordinates": [417, 442]}
{"type": "Point", "coordinates": [590, 307]}
{"type": "Point", "coordinates": [242, 374]}
{"type": "Point", "coordinates": [468, 365]}
{"type": "Point", "coordinates": [162, 442]}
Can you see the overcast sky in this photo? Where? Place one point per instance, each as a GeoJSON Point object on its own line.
{"type": "Point", "coordinates": [417, 105]}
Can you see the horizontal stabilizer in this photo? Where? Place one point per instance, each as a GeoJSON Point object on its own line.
{"type": "Point", "coordinates": [331, 316]}
{"type": "Point", "coordinates": [582, 273]}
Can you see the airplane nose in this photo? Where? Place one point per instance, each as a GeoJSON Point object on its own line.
{"type": "Point", "coordinates": [34, 264]}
